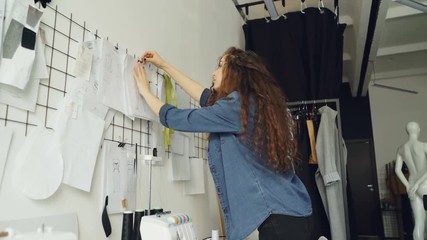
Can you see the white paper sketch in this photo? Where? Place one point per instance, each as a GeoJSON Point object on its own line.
{"type": "Point", "coordinates": [24, 99]}
{"type": "Point", "coordinates": [5, 139]}
{"type": "Point", "coordinates": [136, 103]}
{"type": "Point", "coordinates": [83, 64]}
{"type": "Point", "coordinates": [79, 133]}
{"type": "Point", "coordinates": [112, 88]}
{"type": "Point", "coordinates": [120, 174]}
{"type": "Point", "coordinates": [181, 162]}
{"type": "Point", "coordinates": [92, 100]}
{"type": "Point", "coordinates": [178, 143]}
{"type": "Point", "coordinates": [196, 185]}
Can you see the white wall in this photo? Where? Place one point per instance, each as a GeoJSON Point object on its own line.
{"type": "Point", "coordinates": [391, 110]}
{"type": "Point", "coordinates": [191, 34]}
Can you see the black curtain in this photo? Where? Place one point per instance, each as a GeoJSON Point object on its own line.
{"type": "Point", "coordinates": [304, 52]}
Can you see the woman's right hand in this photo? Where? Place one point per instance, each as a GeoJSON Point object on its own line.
{"type": "Point", "coordinates": [154, 58]}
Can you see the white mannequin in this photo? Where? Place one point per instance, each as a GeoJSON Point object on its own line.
{"type": "Point", "coordinates": [413, 153]}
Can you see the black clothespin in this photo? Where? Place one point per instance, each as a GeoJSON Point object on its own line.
{"type": "Point", "coordinates": [43, 2]}
{"type": "Point", "coordinates": [121, 144]}
{"type": "Point", "coordinates": [154, 152]}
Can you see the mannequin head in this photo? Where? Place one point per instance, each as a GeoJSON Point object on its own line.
{"type": "Point", "coordinates": [413, 128]}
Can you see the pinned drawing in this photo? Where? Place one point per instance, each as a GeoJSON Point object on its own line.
{"type": "Point", "coordinates": [119, 176]}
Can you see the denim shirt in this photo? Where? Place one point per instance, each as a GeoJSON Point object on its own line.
{"type": "Point", "coordinates": [248, 191]}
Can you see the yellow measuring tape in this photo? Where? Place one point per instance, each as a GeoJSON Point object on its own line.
{"type": "Point", "coordinates": [170, 99]}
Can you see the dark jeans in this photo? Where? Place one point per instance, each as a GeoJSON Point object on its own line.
{"type": "Point", "coordinates": [283, 227]}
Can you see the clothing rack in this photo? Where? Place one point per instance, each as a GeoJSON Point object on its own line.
{"type": "Point", "coordinates": [271, 4]}
{"type": "Point", "coordinates": [336, 101]}
{"type": "Point", "coordinates": [342, 167]}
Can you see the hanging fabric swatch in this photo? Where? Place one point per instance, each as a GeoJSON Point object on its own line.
{"type": "Point", "coordinates": [170, 99]}
{"type": "Point", "coordinates": [312, 136]}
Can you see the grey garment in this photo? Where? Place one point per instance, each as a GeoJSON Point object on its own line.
{"type": "Point", "coordinates": [328, 176]}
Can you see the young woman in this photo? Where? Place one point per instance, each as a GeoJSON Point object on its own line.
{"type": "Point", "coordinates": [252, 150]}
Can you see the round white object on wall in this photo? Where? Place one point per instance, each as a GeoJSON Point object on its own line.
{"type": "Point", "coordinates": [40, 165]}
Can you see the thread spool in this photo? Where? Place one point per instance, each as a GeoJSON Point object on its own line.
{"type": "Point", "coordinates": [215, 235]}
{"type": "Point", "coordinates": [127, 225]}
{"type": "Point", "coordinates": [137, 224]}
{"type": "Point", "coordinates": [150, 212]}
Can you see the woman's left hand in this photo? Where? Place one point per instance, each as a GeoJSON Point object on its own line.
{"type": "Point", "coordinates": [140, 78]}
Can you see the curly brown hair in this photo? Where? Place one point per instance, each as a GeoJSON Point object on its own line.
{"type": "Point", "coordinates": [273, 133]}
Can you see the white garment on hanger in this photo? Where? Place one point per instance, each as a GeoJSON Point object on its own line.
{"type": "Point", "coordinates": [328, 176]}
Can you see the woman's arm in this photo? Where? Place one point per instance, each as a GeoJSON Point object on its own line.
{"type": "Point", "coordinates": [144, 89]}
{"type": "Point", "coordinates": [191, 87]}
{"type": "Point", "coordinates": [223, 116]}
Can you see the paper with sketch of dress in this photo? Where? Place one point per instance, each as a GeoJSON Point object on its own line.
{"type": "Point", "coordinates": [83, 65]}
{"type": "Point", "coordinates": [5, 140]}
{"type": "Point", "coordinates": [180, 157]}
{"type": "Point", "coordinates": [39, 165]}
{"type": "Point", "coordinates": [79, 133]}
{"type": "Point", "coordinates": [120, 175]}
{"type": "Point", "coordinates": [92, 101]}
{"type": "Point", "coordinates": [112, 87]}
{"type": "Point", "coordinates": [18, 52]}
{"type": "Point", "coordinates": [196, 185]}
{"type": "Point", "coordinates": [137, 107]}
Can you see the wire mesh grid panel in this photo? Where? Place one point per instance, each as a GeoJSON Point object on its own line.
{"type": "Point", "coordinates": [391, 229]}
{"type": "Point", "coordinates": [62, 35]}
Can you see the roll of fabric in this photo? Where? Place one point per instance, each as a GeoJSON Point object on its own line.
{"type": "Point", "coordinates": [127, 225]}
{"type": "Point", "coordinates": [137, 223]}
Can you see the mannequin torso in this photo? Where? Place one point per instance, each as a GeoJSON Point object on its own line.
{"type": "Point", "coordinates": [413, 153]}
